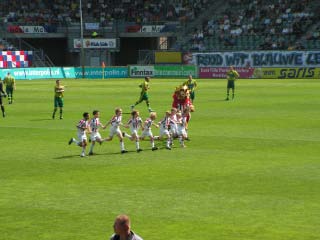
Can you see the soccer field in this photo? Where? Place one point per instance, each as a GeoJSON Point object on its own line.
{"type": "Point", "coordinates": [251, 170]}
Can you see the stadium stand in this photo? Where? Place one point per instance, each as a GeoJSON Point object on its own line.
{"type": "Point", "coordinates": [259, 25]}
{"type": "Point", "coordinates": [198, 25]}
{"type": "Point", "coordinates": [103, 11]}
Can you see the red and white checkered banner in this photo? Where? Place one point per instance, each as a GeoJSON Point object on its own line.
{"type": "Point", "coordinates": [15, 59]}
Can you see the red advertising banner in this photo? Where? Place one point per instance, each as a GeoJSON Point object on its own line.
{"type": "Point", "coordinates": [221, 72]}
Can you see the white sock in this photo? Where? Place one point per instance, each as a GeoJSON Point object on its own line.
{"type": "Point", "coordinates": [127, 135]}
{"type": "Point", "coordinates": [91, 147]}
{"type": "Point", "coordinates": [122, 145]}
{"type": "Point", "coordinates": [137, 145]}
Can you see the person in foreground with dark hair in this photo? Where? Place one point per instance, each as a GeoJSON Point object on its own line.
{"type": "Point", "coordinates": [122, 229]}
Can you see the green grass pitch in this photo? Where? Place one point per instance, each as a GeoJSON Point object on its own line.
{"type": "Point", "coordinates": [250, 172]}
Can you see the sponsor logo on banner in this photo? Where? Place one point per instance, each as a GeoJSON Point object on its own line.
{"type": "Point", "coordinates": [265, 73]}
{"type": "Point", "coordinates": [141, 71]}
{"type": "Point", "coordinates": [213, 72]}
{"type": "Point", "coordinates": [95, 43]}
{"type": "Point", "coordinates": [255, 59]}
{"type": "Point", "coordinates": [175, 71]}
{"type": "Point", "coordinates": [287, 73]}
{"type": "Point", "coordinates": [152, 28]}
{"type": "Point", "coordinates": [33, 29]}
{"type": "Point", "coordinates": [92, 26]}
{"type": "Point", "coordinates": [108, 72]}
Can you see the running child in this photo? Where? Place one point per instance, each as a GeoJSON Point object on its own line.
{"type": "Point", "coordinates": [182, 133]}
{"type": "Point", "coordinates": [134, 123]}
{"type": "Point", "coordinates": [95, 136]}
{"type": "Point", "coordinates": [83, 127]}
{"type": "Point", "coordinates": [146, 129]}
{"type": "Point", "coordinates": [173, 123]}
{"type": "Point", "coordinates": [115, 122]}
{"type": "Point", "coordinates": [164, 130]}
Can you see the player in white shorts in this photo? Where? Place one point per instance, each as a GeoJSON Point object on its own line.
{"type": "Point", "coordinates": [164, 129]}
{"type": "Point", "coordinates": [147, 132]}
{"type": "Point", "coordinates": [95, 124]}
{"type": "Point", "coordinates": [182, 133]}
{"type": "Point", "coordinates": [134, 124]}
{"type": "Point", "coordinates": [83, 127]}
{"type": "Point", "coordinates": [173, 123]}
{"type": "Point", "coordinates": [115, 122]}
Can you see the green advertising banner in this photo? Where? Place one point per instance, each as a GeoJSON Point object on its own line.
{"type": "Point", "coordinates": [175, 71]}
{"type": "Point", "coordinates": [38, 73]}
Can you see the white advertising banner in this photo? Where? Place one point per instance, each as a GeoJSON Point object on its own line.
{"type": "Point", "coordinates": [152, 28]}
{"type": "Point", "coordinates": [141, 71]}
{"type": "Point", "coordinates": [255, 59]}
{"type": "Point", "coordinates": [110, 43]}
{"type": "Point", "coordinates": [92, 26]}
{"type": "Point", "coordinates": [33, 29]}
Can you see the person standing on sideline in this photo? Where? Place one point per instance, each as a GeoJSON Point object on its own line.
{"type": "Point", "coordinates": [10, 83]}
{"type": "Point", "coordinates": [58, 98]}
{"type": "Point", "coordinates": [115, 122]}
{"type": "Point", "coordinates": [144, 94]}
{"type": "Point", "coordinates": [122, 229]}
{"type": "Point", "coordinates": [192, 85]}
{"type": "Point", "coordinates": [83, 127]}
{"type": "Point", "coordinates": [2, 94]}
{"type": "Point", "coordinates": [232, 76]}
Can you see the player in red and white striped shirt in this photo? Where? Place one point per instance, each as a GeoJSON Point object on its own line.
{"type": "Point", "coordinates": [83, 127]}
{"type": "Point", "coordinates": [95, 124]}
{"type": "Point", "coordinates": [115, 122]}
{"type": "Point", "coordinates": [164, 129]}
{"type": "Point", "coordinates": [147, 132]}
{"type": "Point", "coordinates": [134, 123]}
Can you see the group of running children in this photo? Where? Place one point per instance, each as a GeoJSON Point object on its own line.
{"type": "Point", "coordinates": [172, 125]}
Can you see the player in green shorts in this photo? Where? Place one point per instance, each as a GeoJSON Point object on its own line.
{"type": "Point", "coordinates": [10, 83]}
{"type": "Point", "coordinates": [144, 94]}
{"type": "Point", "coordinates": [192, 85]}
{"type": "Point", "coordinates": [2, 94]}
{"type": "Point", "coordinates": [58, 98]}
{"type": "Point", "coordinates": [232, 76]}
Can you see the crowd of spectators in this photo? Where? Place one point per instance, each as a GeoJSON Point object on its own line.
{"type": "Point", "coordinates": [279, 23]}
{"type": "Point", "coordinates": [102, 11]}
{"type": "Point", "coordinates": [38, 12]}
{"type": "Point", "coordinates": [5, 46]}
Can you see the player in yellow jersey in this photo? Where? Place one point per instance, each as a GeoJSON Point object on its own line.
{"type": "Point", "coordinates": [192, 85]}
{"type": "Point", "coordinates": [232, 76]}
{"type": "Point", "coordinates": [58, 99]}
{"type": "Point", "coordinates": [10, 83]}
{"type": "Point", "coordinates": [2, 94]}
{"type": "Point", "coordinates": [144, 94]}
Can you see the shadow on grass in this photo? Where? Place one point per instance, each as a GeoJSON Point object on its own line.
{"type": "Point", "coordinates": [94, 155]}
{"type": "Point", "coordinates": [41, 119]}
